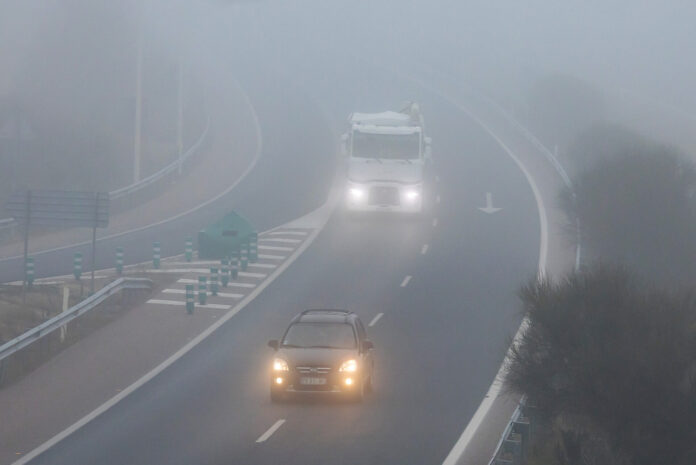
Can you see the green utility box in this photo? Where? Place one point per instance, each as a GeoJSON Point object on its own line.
{"type": "Point", "coordinates": [224, 238]}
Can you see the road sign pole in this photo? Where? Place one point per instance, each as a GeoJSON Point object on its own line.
{"type": "Point", "coordinates": [77, 265]}
{"type": "Point", "coordinates": [253, 247]}
{"type": "Point", "coordinates": [234, 267]}
{"type": "Point", "coordinates": [225, 270]}
{"type": "Point", "coordinates": [29, 271]}
{"type": "Point", "coordinates": [156, 255]}
{"type": "Point", "coordinates": [214, 281]}
{"type": "Point", "coordinates": [27, 221]}
{"type": "Point", "coordinates": [245, 256]}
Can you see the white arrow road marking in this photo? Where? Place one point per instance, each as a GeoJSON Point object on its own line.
{"type": "Point", "coordinates": [376, 319]}
{"type": "Point", "coordinates": [270, 431]}
{"type": "Point", "coordinates": [489, 208]}
{"type": "Point", "coordinates": [406, 280]}
{"type": "Point", "coordinates": [424, 249]}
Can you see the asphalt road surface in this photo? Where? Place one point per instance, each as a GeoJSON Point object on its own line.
{"type": "Point", "coordinates": [444, 285]}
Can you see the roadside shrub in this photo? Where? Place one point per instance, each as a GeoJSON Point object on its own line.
{"type": "Point", "coordinates": [610, 361]}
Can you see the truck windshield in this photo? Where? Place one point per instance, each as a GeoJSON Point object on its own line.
{"type": "Point", "coordinates": [326, 335]}
{"type": "Point", "coordinates": [386, 146]}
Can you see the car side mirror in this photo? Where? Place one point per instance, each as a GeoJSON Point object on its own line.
{"type": "Point", "coordinates": [368, 345]}
{"type": "Point", "coordinates": [273, 344]}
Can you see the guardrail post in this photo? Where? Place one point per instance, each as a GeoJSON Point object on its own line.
{"type": "Point", "coordinates": [189, 249]}
{"type": "Point", "coordinates": [225, 271]}
{"type": "Point", "coordinates": [29, 271]}
{"type": "Point", "coordinates": [190, 304]}
{"type": "Point", "coordinates": [214, 281]}
{"type": "Point", "coordinates": [119, 260]}
{"type": "Point", "coordinates": [156, 255]}
{"type": "Point", "coordinates": [253, 247]}
{"type": "Point", "coordinates": [245, 256]}
{"type": "Point", "coordinates": [234, 266]}
{"type": "Point", "coordinates": [202, 290]}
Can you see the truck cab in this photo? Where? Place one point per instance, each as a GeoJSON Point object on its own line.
{"type": "Point", "coordinates": [387, 156]}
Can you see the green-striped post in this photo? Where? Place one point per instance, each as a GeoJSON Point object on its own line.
{"type": "Point", "coordinates": [156, 254]}
{"type": "Point", "coordinates": [202, 290]}
{"type": "Point", "coordinates": [225, 271]}
{"type": "Point", "coordinates": [214, 281]}
{"type": "Point", "coordinates": [77, 265]}
{"type": "Point", "coordinates": [119, 260]}
{"type": "Point", "coordinates": [253, 247]}
{"type": "Point", "coordinates": [245, 256]}
{"type": "Point", "coordinates": [234, 266]}
{"type": "Point", "coordinates": [189, 249]}
{"type": "Point", "coordinates": [29, 271]}
{"type": "Point", "coordinates": [190, 303]}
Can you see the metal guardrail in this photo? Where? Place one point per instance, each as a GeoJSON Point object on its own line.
{"type": "Point", "coordinates": [67, 316]}
{"type": "Point", "coordinates": [9, 225]}
{"type": "Point", "coordinates": [513, 444]}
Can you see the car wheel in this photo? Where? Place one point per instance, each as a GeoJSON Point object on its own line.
{"type": "Point", "coordinates": [276, 396]}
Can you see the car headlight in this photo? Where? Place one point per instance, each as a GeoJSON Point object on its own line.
{"type": "Point", "coordinates": [412, 194]}
{"type": "Point", "coordinates": [356, 193]}
{"type": "Point", "coordinates": [349, 366]}
{"type": "Point", "coordinates": [280, 365]}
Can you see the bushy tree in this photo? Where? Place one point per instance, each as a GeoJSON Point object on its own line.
{"type": "Point", "coordinates": [611, 361]}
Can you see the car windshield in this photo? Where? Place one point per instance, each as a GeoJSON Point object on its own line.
{"type": "Point", "coordinates": [386, 146]}
{"type": "Point", "coordinates": [324, 335]}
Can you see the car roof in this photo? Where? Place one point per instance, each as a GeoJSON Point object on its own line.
{"type": "Point", "coordinates": [321, 315]}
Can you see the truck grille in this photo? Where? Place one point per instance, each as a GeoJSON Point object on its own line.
{"type": "Point", "coordinates": [314, 370]}
{"type": "Point", "coordinates": [384, 195]}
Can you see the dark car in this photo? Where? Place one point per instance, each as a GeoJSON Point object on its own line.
{"type": "Point", "coordinates": [322, 352]}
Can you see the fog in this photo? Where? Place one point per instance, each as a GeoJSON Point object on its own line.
{"type": "Point", "coordinates": [70, 66]}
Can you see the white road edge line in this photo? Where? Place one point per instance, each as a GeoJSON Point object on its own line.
{"type": "Point", "coordinates": [174, 357]}
{"type": "Point", "coordinates": [424, 249]}
{"type": "Point", "coordinates": [496, 387]}
{"type": "Point", "coordinates": [270, 431]}
{"type": "Point", "coordinates": [376, 319]}
{"type": "Point", "coordinates": [406, 280]}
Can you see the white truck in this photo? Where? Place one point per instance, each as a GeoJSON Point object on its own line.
{"type": "Point", "coordinates": [387, 156]}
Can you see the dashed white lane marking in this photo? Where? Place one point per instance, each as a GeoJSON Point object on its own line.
{"type": "Point", "coordinates": [205, 271]}
{"type": "Point", "coordinates": [406, 280]}
{"type": "Point", "coordinates": [437, 199]}
{"type": "Point", "coordinates": [375, 319]}
{"type": "Point", "coordinates": [437, 178]}
{"type": "Point", "coordinates": [220, 294]}
{"type": "Point", "coordinates": [435, 221]}
{"type": "Point", "coordinates": [281, 239]}
{"type": "Point", "coordinates": [276, 248]}
{"type": "Point", "coordinates": [267, 266]}
{"type": "Point", "coordinates": [270, 431]}
{"type": "Point", "coordinates": [424, 249]}
{"type": "Point", "coordinates": [272, 257]}
{"type": "Point", "coordinates": [289, 233]}
{"type": "Point", "coordinates": [232, 284]}
{"type": "Point", "coordinates": [181, 303]}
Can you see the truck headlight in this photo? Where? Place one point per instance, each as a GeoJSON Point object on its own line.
{"type": "Point", "coordinates": [356, 193]}
{"type": "Point", "coordinates": [280, 365]}
{"type": "Point", "coordinates": [349, 366]}
{"type": "Point", "coordinates": [411, 194]}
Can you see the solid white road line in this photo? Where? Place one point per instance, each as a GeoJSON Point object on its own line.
{"type": "Point", "coordinates": [262, 265]}
{"type": "Point", "coordinates": [406, 280]}
{"type": "Point", "coordinates": [435, 221]}
{"type": "Point", "coordinates": [424, 249]}
{"type": "Point", "coordinates": [232, 284]}
{"type": "Point", "coordinates": [289, 233]}
{"type": "Point", "coordinates": [281, 239]}
{"type": "Point", "coordinates": [270, 431]}
{"type": "Point", "coordinates": [182, 303]}
{"type": "Point", "coordinates": [226, 295]}
{"type": "Point", "coordinates": [375, 319]}
{"type": "Point", "coordinates": [276, 248]}
{"type": "Point", "coordinates": [271, 257]}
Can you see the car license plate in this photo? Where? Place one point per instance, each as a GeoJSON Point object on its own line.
{"type": "Point", "coordinates": [312, 381]}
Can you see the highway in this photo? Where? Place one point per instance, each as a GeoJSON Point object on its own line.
{"type": "Point", "coordinates": [439, 292]}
